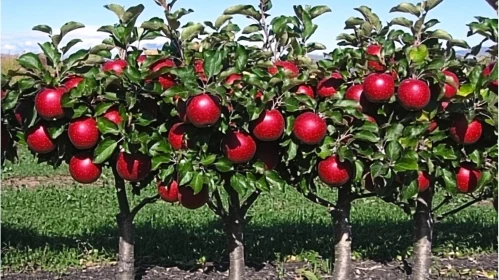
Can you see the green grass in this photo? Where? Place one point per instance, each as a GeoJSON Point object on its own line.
{"type": "Point", "coordinates": [56, 227]}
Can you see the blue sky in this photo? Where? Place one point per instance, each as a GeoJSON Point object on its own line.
{"type": "Point", "coordinates": [17, 19]}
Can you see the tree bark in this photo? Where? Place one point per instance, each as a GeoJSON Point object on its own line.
{"type": "Point", "coordinates": [234, 226]}
{"type": "Point", "coordinates": [423, 231]}
{"type": "Point", "coordinates": [342, 235]}
{"type": "Point", "coordinates": [126, 257]}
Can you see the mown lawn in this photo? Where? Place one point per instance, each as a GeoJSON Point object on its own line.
{"type": "Point", "coordinates": [54, 227]}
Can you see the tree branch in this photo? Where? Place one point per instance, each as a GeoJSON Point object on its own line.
{"type": "Point", "coordinates": [219, 205]}
{"type": "Point", "coordinates": [364, 195]}
{"type": "Point", "coordinates": [249, 201]}
{"type": "Point", "coordinates": [455, 210]}
{"type": "Point", "coordinates": [492, 3]}
{"type": "Point", "coordinates": [319, 200]}
{"type": "Point", "coordinates": [442, 203]}
{"type": "Point", "coordinates": [143, 203]}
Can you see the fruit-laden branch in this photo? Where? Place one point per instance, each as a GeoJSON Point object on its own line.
{"type": "Point", "coordinates": [444, 201]}
{"type": "Point", "coordinates": [248, 202]}
{"type": "Point", "coordinates": [317, 199]}
{"type": "Point", "coordinates": [492, 3]}
{"type": "Point", "coordinates": [143, 203]}
{"type": "Point", "coordinates": [439, 218]}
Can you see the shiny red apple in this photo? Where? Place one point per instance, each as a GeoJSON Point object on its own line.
{"type": "Point", "coordinates": [309, 128]}
{"type": "Point", "coordinates": [83, 133]}
{"type": "Point", "coordinates": [269, 126]}
{"type": "Point", "coordinates": [204, 110]}
{"type": "Point", "coordinates": [333, 172]}
{"type": "Point", "coordinates": [239, 147]}
{"type": "Point", "coordinates": [133, 167]}
{"type": "Point", "coordinates": [83, 169]}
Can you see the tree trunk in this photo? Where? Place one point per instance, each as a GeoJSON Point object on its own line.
{"type": "Point", "coordinates": [234, 226]}
{"type": "Point", "coordinates": [423, 230]}
{"type": "Point", "coordinates": [126, 257]}
{"type": "Point", "coordinates": [342, 235]}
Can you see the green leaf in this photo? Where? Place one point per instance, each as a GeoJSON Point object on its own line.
{"type": "Point", "coordinates": [70, 44]}
{"type": "Point", "coordinates": [190, 32]}
{"type": "Point", "coordinates": [223, 165]}
{"type": "Point", "coordinates": [292, 150]}
{"type": "Point", "coordinates": [393, 150]}
{"type": "Point", "coordinates": [212, 63]}
{"type": "Point", "coordinates": [186, 178]}
{"type": "Point", "coordinates": [353, 21]}
{"type": "Point", "coordinates": [444, 151]}
{"type": "Point", "coordinates": [56, 131]}
{"type": "Point", "coordinates": [410, 191]}
{"type": "Point", "coordinates": [133, 74]}
{"type": "Point", "coordinates": [107, 127]}
{"type": "Point", "coordinates": [407, 8]}
{"type": "Point", "coordinates": [221, 20]}
{"type": "Point", "coordinates": [116, 9]}
{"type": "Point", "coordinates": [208, 160]}
{"type": "Point", "coordinates": [237, 182]}
{"type": "Point", "coordinates": [157, 160]}
{"type": "Point", "coordinates": [246, 10]}
{"type": "Point", "coordinates": [359, 171]}
{"type": "Point", "coordinates": [197, 183]}
{"type": "Point", "coordinates": [52, 54]}
{"type": "Point", "coordinates": [104, 150]}
{"type": "Point", "coordinates": [30, 61]}
{"type": "Point", "coordinates": [274, 179]}
{"type": "Point", "coordinates": [251, 28]}
{"type": "Point", "coordinates": [440, 34]}
{"type": "Point", "coordinates": [366, 136]}
{"type": "Point", "coordinates": [408, 162]}
{"type": "Point", "coordinates": [319, 10]}
{"type": "Point", "coordinates": [460, 43]}
{"type": "Point", "coordinates": [241, 58]}
{"type": "Point", "coordinates": [75, 57]}
{"type": "Point", "coordinates": [65, 29]}
{"type": "Point", "coordinates": [430, 4]}
{"type": "Point", "coordinates": [43, 28]}
{"type": "Point", "coordinates": [485, 179]}
{"type": "Point", "coordinates": [450, 181]}
{"type": "Point", "coordinates": [418, 54]}
{"type": "Point", "coordinates": [402, 21]}
{"type": "Point", "coordinates": [132, 13]}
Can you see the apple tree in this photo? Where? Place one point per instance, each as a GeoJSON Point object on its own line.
{"type": "Point", "coordinates": [436, 120]}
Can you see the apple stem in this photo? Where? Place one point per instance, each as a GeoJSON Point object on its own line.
{"type": "Point", "coordinates": [423, 235]}
{"type": "Point", "coordinates": [342, 253]}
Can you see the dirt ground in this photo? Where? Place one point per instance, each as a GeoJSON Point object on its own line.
{"type": "Point", "coordinates": [480, 267]}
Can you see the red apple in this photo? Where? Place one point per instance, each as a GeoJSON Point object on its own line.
{"type": "Point", "coordinates": [83, 169]}
{"type": "Point", "coordinates": [239, 147]}
{"type": "Point", "coordinates": [268, 153]}
{"type": "Point", "coordinates": [465, 133]}
{"type": "Point", "coordinates": [133, 167]}
{"type": "Point", "coordinates": [450, 90]}
{"type": "Point", "coordinates": [198, 68]}
{"type": "Point", "coordinates": [176, 136]}
{"type": "Point", "coordinates": [166, 80]}
{"type": "Point", "coordinates": [117, 66]}
{"type": "Point", "coordinates": [269, 126]}
{"type": "Point", "coordinates": [3, 94]}
{"type": "Point", "coordinates": [413, 94]}
{"type": "Point", "coordinates": [21, 110]}
{"type": "Point", "coordinates": [290, 68]}
{"type": "Point", "coordinates": [258, 95]}
{"type": "Point", "coordinates": [355, 93]}
{"type": "Point", "coordinates": [371, 119]}
{"type": "Point", "coordinates": [48, 103]}
{"type": "Point", "coordinates": [190, 200]}
{"type": "Point", "coordinates": [374, 64]}
{"type": "Point", "coordinates": [307, 90]}
{"type": "Point", "coordinates": [424, 180]}
{"type": "Point", "coordinates": [38, 139]}
{"type": "Point", "coordinates": [486, 72]}
{"type": "Point", "coordinates": [141, 58]}
{"type": "Point", "coordinates": [232, 78]}
{"type": "Point", "coordinates": [113, 114]}
{"type": "Point", "coordinates": [72, 82]}
{"type": "Point", "coordinates": [164, 62]}
{"type": "Point", "coordinates": [378, 88]}
{"type": "Point", "coordinates": [444, 105]}
{"type": "Point", "coordinates": [334, 172]}
{"type": "Point", "coordinates": [168, 193]}
{"type": "Point", "coordinates": [83, 133]}
{"type": "Point", "coordinates": [467, 178]}
{"type": "Point", "coordinates": [203, 110]}
{"type": "Point", "coordinates": [309, 128]}
{"type": "Point", "coordinates": [432, 126]}
{"type": "Point", "coordinates": [329, 86]}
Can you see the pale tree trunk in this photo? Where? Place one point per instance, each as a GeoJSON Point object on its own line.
{"type": "Point", "coordinates": [342, 235]}
{"type": "Point", "coordinates": [126, 257]}
{"type": "Point", "coordinates": [234, 226]}
{"type": "Point", "coordinates": [423, 231]}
